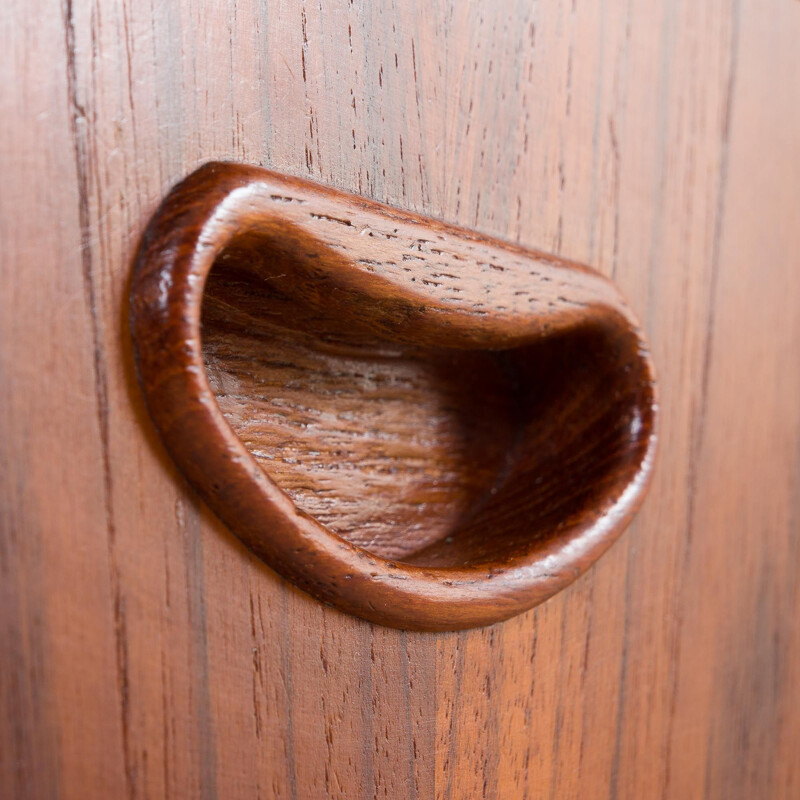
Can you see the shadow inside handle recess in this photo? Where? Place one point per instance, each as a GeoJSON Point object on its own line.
{"type": "Point", "coordinates": [416, 450]}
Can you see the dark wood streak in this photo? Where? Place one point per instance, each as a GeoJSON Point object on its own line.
{"type": "Point", "coordinates": [197, 618]}
{"type": "Point", "coordinates": [81, 145]}
{"type": "Point", "coordinates": [453, 457]}
{"type": "Point", "coordinates": [698, 423]}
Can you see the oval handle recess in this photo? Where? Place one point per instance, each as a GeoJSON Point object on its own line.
{"type": "Point", "coordinates": [423, 426]}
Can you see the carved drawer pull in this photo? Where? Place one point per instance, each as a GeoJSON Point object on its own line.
{"type": "Point", "coordinates": [423, 426]}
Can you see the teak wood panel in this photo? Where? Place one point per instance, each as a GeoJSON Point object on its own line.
{"type": "Point", "coordinates": [145, 653]}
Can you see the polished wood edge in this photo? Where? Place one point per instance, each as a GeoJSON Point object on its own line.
{"type": "Point", "coordinates": [193, 225]}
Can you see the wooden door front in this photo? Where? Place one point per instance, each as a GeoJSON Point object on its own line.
{"type": "Point", "coordinates": [147, 653]}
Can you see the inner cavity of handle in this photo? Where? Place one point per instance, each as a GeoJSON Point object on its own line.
{"type": "Point", "coordinates": [413, 448]}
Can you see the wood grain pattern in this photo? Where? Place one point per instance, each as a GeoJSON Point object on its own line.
{"type": "Point", "coordinates": [146, 653]}
{"type": "Point", "coordinates": [509, 403]}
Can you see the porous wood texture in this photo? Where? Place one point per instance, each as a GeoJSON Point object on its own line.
{"type": "Point", "coordinates": [146, 653]}
{"type": "Point", "coordinates": [537, 380]}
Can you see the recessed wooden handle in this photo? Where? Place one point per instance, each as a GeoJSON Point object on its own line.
{"type": "Point", "coordinates": [423, 426]}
